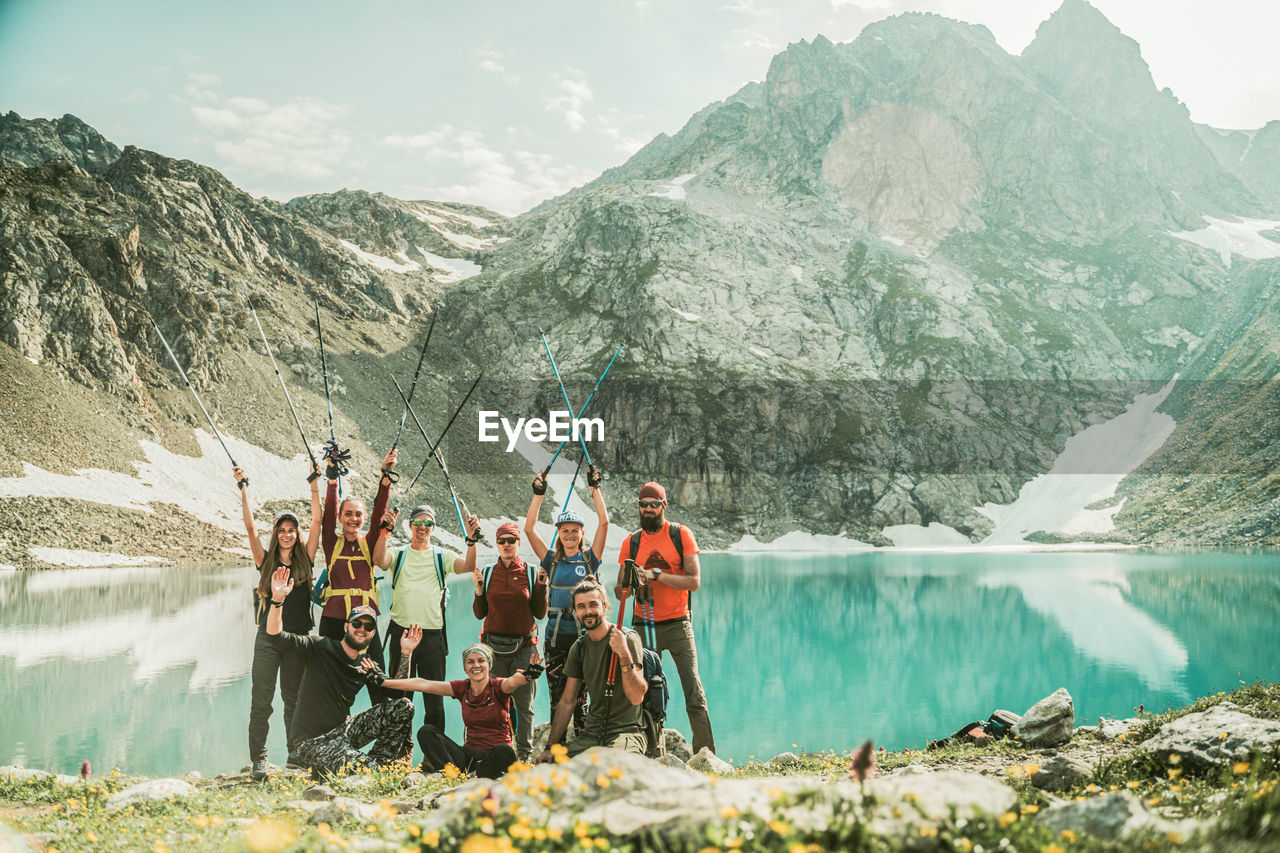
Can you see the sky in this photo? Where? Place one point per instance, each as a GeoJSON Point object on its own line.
{"type": "Point", "coordinates": [504, 103]}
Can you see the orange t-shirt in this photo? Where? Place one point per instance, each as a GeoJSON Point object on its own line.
{"type": "Point", "coordinates": [658, 551]}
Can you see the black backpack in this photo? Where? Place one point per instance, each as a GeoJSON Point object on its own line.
{"type": "Point", "coordinates": [673, 530]}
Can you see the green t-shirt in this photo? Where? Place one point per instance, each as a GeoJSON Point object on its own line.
{"type": "Point", "coordinates": [417, 592]}
{"type": "Point", "coordinates": [592, 666]}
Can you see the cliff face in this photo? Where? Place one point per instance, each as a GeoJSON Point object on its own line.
{"type": "Point", "coordinates": [883, 286]}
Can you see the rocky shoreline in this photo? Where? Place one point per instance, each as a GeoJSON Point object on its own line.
{"type": "Point", "coordinates": [1198, 778]}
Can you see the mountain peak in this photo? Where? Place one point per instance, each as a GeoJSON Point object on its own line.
{"type": "Point", "coordinates": [1078, 51]}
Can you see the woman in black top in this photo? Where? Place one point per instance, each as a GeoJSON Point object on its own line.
{"type": "Point", "coordinates": [285, 549]}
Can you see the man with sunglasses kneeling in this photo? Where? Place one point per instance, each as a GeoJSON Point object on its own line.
{"type": "Point", "coordinates": [419, 593]}
{"type": "Point", "coordinates": [325, 737]}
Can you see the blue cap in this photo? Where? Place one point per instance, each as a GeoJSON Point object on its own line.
{"type": "Point", "coordinates": [569, 517]}
{"type": "Point", "coordinates": [362, 610]}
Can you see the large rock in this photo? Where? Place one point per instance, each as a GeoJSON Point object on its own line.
{"type": "Point", "coordinates": [154, 789]}
{"type": "Point", "coordinates": [1112, 816]}
{"type": "Point", "coordinates": [934, 796]}
{"type": "Point", "coordinates": [344, 808]}
{"type": "Point", "coordinates": [1049, 722]}
{"type": "Point", "coordinates": [1112, 729]}
{"type": "Point", "coordinates": [1062, 773]}
{"type": "Point", "coordinates": [1215, 736]}
{"type": "Point", "coordinates": [674, 743]}
{"type": "Point", "coordinates": [708, 762]}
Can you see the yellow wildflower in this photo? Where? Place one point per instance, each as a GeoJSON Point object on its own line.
{"type": "Point", "coordinates": [91, 837]}
{"type": "Point", "coordinates": [1068, 836]}
{"type": "Point", "coordinates": [266, 836]}
{"type": "Point", "coordinates": [1132, 784]}
{"type": "Point", "coordinates": [554, 833]}
{"type": "Point", "coordinates": [415, 830]}
{"type": "Point", "coordinates": [728, 812]}
{"type": "Point", "coordinates": [1005, 819]}
{"type": "Point", "coordinates": [451, 771]}
{"type": "Point", "coordinates": [580, 829]}
{"type": "Point", "coordinates": [1224, 735]}
{"type": "Point", "coordinates": [490, 804]}
{"type": "Point", "coordinates": [928, 830]}
{"type": "Point", "coordinates": [1153, 800]}
{"type": "Point", "coordinates": [1032, 809]}
{"type": "Point", "coordinates": [1240, 768]}
{"type": "Point", "coordinates": [1174, 758]}
{"type": "Point", "coordinates": [615, 772]}
{"type": "Point", "coordinates": [1053, 848]}
{"type": "Point", "coordinates": [485, 825]}
{"type": "Point", "coordinates": [1175, 772]}
{"type": "Point", "coordinates": [603, 781]}
{"type": "Point", "coordinates": [780, 826]}
{"type": "Point", "coordinates": [520, 831]}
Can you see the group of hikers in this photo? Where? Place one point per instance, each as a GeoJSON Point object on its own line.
{"type": "Point", "coordinates": [584, 655]}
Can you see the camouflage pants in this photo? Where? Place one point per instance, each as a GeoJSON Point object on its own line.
{"type": "Point", "coordinates": [387, 725]}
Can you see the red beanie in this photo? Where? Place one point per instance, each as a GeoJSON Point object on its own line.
{"type": "Point", "coordinates": [507, 528]}
{"type": "Point", "coordinates": [653, 491]}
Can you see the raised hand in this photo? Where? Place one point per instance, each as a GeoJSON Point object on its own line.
{"type": "Point", "coordinates": [478, 575]}
{"type": "Point", "coordinates": [539, 483]}
{"type": "Point", "coordinates": [593, 476]}
{"type": "Point", "coordinates": [389, 461]}
{"type": "Point", "coordinates": [366, 664]}
{"type": "Point", "coordinates": [389, 520]}
{"type": "Point", "coordinates": [241, 480]}
{"type": "Point", "coordinates": [618, 643]}
{"type": "Point", "coordinates": [410, 638]}
{"type": "Point", "coordinates": [473, 526]}
{"type": "Point", "coordinates": [281, 583]}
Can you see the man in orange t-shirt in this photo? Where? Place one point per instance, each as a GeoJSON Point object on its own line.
{"type": "Point", "coordinates": [670, 576]}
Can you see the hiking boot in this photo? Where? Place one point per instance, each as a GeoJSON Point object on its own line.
{"type": "Point", "coordinates": [259, 771]}
{"type": "Point", "coordinates": [293, 762]}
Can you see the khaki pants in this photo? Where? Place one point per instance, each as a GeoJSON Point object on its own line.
{"type": "Point", "coordinates": [630, 742]}
{"type": "Point", "coordinates": [677, 638]}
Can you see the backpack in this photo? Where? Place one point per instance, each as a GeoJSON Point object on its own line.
{"type": "Point", "coordinates": [528, 570]}
{"type": "Point", "coordinates": [653, 708]}
{"type": "Point", "coordinates": [396, 568]}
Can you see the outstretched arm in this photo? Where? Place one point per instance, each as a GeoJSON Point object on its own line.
{"type": "Point", "coordinates": [313, 534]}
{"type": "Point", "coordinates": [380, 502]}
{"type": "Point", "coordinates": [255, 545]}
{"type": "Point", "coordinates": [602, 515]}
{"type": "Point", "coordinates": [531, 517]}
{"type": "Point", "coordinates": [528, 675]}
{"type": "Point", "coordinates": [468, 565]}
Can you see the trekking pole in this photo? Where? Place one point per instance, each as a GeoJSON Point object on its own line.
{"type": "Point", "coordinates": [434, 452]}
{"type": "Point", "coordinates": [414, 383]}
{"type": "Point", "coordinates": [324, 370]}
{"type": "Point", "coordinates": [431, 447]}
{"type": "Point", "coordinates": [565, 505]}
{"type": "Point", "coordinates": [287, 398]}
{"type": "Point", "coordinates": [564, 395]}
{"type": "Point", "coordinates": [192, 389]}
{"type": "Point", "coordinates": [583, 410]}
{"type": "Point", "coordinates": [612, 677]}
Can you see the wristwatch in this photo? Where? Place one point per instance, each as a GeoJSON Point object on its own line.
{"type": "Point", "coordinates": [657, 572]}
{"type": "Point", "coordinates": [275, 603]}
{"type": "Point", "coordinates": [627, 667]}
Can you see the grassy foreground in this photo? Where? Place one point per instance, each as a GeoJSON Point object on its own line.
{"type": "Point", "coordinates": [232, 813]}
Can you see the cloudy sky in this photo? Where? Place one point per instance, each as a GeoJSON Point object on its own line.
{"type": "Point", "coordinates": [503, 102]}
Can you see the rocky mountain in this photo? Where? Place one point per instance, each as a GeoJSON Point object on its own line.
{"type": "Point", "coordinates": [882, 287]}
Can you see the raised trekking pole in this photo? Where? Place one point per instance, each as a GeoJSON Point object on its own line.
{"type": "Point", "coordinates": [434, 452]}
{"type": "Point", "coordinates": [414, 383]}
{"type": "Point", "coordinates": [564, 395]}
{"type": "Point", "coordinates": [287, 398]}
{"type": "Point", "coordinates": [192, 389]}
{"type": "Point", "coordinates": [582, 411]}
{"type": "Point", "coordinates": [569, 494]}
{"type": "Point", "coordinates": [328, 402]}
{"type": "Point", "coordinates": [629, 569]}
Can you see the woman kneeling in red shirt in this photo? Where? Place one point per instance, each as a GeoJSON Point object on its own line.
{"type": "Point", "coordinates": [486, 711]}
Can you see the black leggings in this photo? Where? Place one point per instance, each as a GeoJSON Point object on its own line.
{"type": "Point", "coordinates": [270, 661]}
{"type": "Point", "coordinates": [438, 750]}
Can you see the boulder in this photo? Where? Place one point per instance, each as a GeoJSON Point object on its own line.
{"type": "Point", "coordinates": [1215, 736]}
{"type": "Point", "coordinates": [784, 759]}
{"type": "Point", "coordinates": [1049, 722]}
{"type": "Point", "coordinates": [154, 789]}
{"type": "Point", "coordinates": [343, 808]}
{"type": "Point", "coordinates": [708, 762]}
{"type": "Point", "coordinates": [670, 760]}
{"type": "Point", "coordinates": [413, 780]}
{"type": "Point", "coordinates": [22, 774]}
{"type": "Point", "coordinates": [318, 792]}
{"type": "Point", "coordinates": [673, 743]}
{"type": "Point", "coordinates": [1112, 816]}
{"type": "Point", "coordinates": [934, 797]}
{"type": "Point", "coordinates": [1062, 773]}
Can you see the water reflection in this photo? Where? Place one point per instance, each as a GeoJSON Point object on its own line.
{"type": "Point", "coordinates": [147, 668]}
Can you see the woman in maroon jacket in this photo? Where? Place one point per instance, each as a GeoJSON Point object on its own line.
{"type": "Point", "coordinates": [510, 600]}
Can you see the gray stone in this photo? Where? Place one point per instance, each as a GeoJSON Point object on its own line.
{"type": "Point", "coordinates": [784, 759]}
{"type": "Point", "coordinates": [1112, 816]}
{"type": "Point", "coordinates": [1062, 773]}
{"type": "Point", "coordinates": [318, 792]}
{"type": "Point", "coordinates": [708, 762]}
{"type": "Point", "coordinates": [674, 743]}
{"type": "Point", "coordinates": [343, 808]}
{"type": "Point", "coordinates": [304, 805]}
{"type": "Point", "coordinates": [357, 781]}
{"type": "Point", "coordinates": [1049, 722]}
{"type": "Point", "coordinates": [154, 789]}
{"type": "Point", "coordinates": [413, 780]}
{"type": "Point", "coordinates": [1215, 736]}
{"type": "Point", "coordinates": [403, 806]}
{"type": "Point", "coordinates": [934, 797]}
{"type": "Point", "coordinates": [1112, 729]}
{"type": "Point", "coordinates": [194, 775]}
{"type": "Point", "coordinates": [22, 774]}
{"type": "Point", "coordinates": [670, 760]}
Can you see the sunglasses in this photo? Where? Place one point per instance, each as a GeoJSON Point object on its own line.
{"type": "Point", "coordinates": [365, 625]}
{"type": "Point", "coordinates": [422, 522]}
{"type": "Point", "coordinates": [649, 504]}
{"type": "Point", "coordinates": [507, 540]}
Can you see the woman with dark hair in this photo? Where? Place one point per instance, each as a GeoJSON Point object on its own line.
{"type": "Point", "coordinates": [568, 563]}
{"type": "Point", "coordinates": [486, 748]}
{"type": "Point", "coordinates": [286, 549]}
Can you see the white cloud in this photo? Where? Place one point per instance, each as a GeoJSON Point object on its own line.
{"type": "Point", "coordinates": [755, 39]}
{"type": "Point", "coordinates": [575, 94]}
{"type": "Point", "coordinates": [300, 138]}
{"type": "Point", "coordinates": [491, 60]}
{"type": "Point", "coordinates": [748, 7]}
{"type": "Point", "coordinates": [434, 139]}
{"type": "Point", "coordinates": [862, 5]}
{"type": "Point", "coordinates": [508, 184]}
{"type": "Point", "coordinates": [137, 96]}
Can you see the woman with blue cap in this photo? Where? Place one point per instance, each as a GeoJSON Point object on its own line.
{"type": "Point", "coordinates": [566, 564]}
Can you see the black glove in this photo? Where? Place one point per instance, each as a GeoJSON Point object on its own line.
{"type": "Point", "coordinates": [532, 671]}
{"type": "Point", "coordinates": [392, 476]}
{"type": "Point", "coordinates": [374, 677]}
{"type": "Point", "coordinates": [540, 483]}
{"type": "Point", "coordinates": [338, 459]}
{"type": "Point", "coordinates": [593, 476]}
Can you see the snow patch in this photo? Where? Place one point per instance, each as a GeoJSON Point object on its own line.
{"type": "Point", "coordinates": [466, 241]}
{"type": "Point", "coordinates": [685, 315]}
{"type": "Point", "coordinates": [798, 540]}
{"type": "Point", "coordinates": [674, 189]}
{"type": "Point", "coordinates": [1234, 238]}
{"type": "Point", "coordinates": [797, 272]}
{"type": "Point", "coordinates": [935, 535]}
{"type": "Point", "coordinates": [1172, 336]}
{"type": "Point", "coordinates": [760, 352]}
{"type": "Point", "coordinates": [454, 269]}
{"type": "Point", "coordinates": [34, 361]}
{"type": "Point", "coordinates": [200, 485]}
{"type": "Point", "coordinates": [78, 559]}
{"type": "Point", "coordinates": [427, 213]}
{"type": "Point", "coordinates": [1055, 502]}
{"type": "Point", "coordinates": [379, 261]}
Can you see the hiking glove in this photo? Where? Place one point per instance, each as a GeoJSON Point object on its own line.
{"type": "Point", "coordinates": [532, 671]}
{"type": "Point", "coordinates": [539, 484]}
{"type": "Point", "coordinates": [593, 476]}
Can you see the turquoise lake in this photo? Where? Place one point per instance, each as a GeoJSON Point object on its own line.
{"type": "Point", "coordinates": [146, 669]}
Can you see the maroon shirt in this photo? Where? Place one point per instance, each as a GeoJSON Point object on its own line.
{"type": "Point", "coordinates": [351, 570]}
{"type": "Point", "coordinates": [487, 718]}
{"type": "Point", "coordinates": [506, 607]}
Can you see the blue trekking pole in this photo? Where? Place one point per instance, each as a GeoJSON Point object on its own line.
{"type": "Point", "coordinates": [564, 395]}
{"type": "Point", "coordinates": [582, 411]}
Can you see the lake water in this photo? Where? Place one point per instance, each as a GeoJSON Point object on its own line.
{"type": "Point", "coordinates": [147, 668]}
